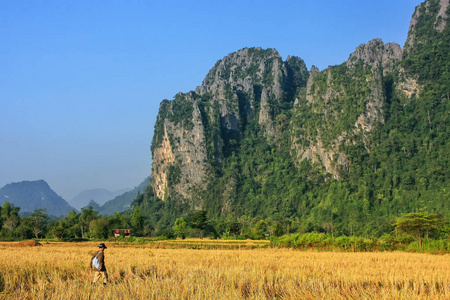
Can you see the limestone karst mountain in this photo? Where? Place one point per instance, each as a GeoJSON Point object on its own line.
{"type": "Point", "coordinates": [353, 145]}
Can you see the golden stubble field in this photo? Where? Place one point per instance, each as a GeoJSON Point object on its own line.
{"type": "Point", "coordinates": [60, 271]}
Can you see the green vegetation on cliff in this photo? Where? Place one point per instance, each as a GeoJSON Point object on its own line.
{"type": "Point", "coordinates": [395, 142]}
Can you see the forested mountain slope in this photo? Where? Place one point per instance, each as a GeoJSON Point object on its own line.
{"type": "Point", "coordinates": [346, 149]}
{"type": "Point", "coordinates": [122, 202]}
{"type": "Point", "coordinates": [32, 195]}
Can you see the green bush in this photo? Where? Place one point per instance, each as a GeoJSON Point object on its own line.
{"type": "Point", "coordinates": [388, 242]}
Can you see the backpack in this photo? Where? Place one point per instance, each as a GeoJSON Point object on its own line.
{"type": "Point", "coordinates": [96, 263]}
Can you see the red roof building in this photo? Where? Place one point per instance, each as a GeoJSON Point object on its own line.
{"type": "Point", "coordinates": [124, 232]}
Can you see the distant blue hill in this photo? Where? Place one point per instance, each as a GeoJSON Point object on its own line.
{"type": "Point", "coordinates": [93, 204]}
{"type": "Point", "coordinates": [123, 202]}
{"type": "Point", "coordinates": [32, 195]}
{"type": "Point", "coordinates": [99, 196]}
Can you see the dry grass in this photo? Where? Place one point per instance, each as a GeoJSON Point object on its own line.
{"type": "Point", "coordinates": [30, 243]}
{"type": "Point", "coordinates": [60, 271]}
{"type": "Point", "coordinates": [209, 244]}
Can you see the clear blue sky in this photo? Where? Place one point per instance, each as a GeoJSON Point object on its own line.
{"type": "Point", "coordinates": [81, 81]}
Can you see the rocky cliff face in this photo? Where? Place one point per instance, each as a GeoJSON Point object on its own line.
{"type": "Point", "coordinates": [179, 153]}
{"type": "Point", "coordinates": [351, 95]}
{"type": "Point", "coordinates": [322, 112]}
{"type": "Point", "coordinates": [428, 22]}
{"type": "Point", "coordinates": [433, 11]}
{"type": "Point", "coordinates": [381, 59]}
{"type": "Point", "coordinates": [250, 84]}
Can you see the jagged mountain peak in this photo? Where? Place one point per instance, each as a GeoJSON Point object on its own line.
{"type": "Point", "coordinates": [247, 86]}
{"type": "Point", "coordinates": [241, 70]}
{"type": "Point", "coordinates": [430, 14]}
{"type": "Point", "coordinates": [377, 54]}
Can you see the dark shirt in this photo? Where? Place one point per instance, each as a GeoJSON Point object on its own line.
{"type": "Point", "coordinates": [101, 259]}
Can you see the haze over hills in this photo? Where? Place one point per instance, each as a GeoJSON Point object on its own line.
{"type": "Point", "coordinates": [346, 149]}
{"type": "Point", "coordinates": [123, 202]}
{"type": "Point", "coordinates": [32, 195]}
{"type": "Point", "coordinates": [100, 196]}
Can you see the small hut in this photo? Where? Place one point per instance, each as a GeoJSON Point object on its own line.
{"type": "Point", "coordinates": [124, 232]}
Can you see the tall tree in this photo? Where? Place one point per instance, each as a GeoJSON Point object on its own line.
{"type": "Point", "coordinates": [199, 221]}
{"type": "Point", "coordinates": [99, 228]}
{"type": "Point", "coordinates": [87, 216]}
{"type": "Point", "coordinates": [39, 220]}
{"type": "Point", "coordinates": [180, 228]}
{"type": "Point", "coordinates": [137, 220]}
{"type": "Point", "coordinates": [418, 223]}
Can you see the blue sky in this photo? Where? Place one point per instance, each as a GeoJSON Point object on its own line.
{"type": "Point", "coordinates": [81, 81]}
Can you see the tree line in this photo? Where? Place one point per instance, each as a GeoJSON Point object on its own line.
{"type": "Point", "coordinates": [88, 224]}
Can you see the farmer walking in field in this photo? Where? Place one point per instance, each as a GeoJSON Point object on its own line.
{"type": "Point", "coordinates": [98, 264]}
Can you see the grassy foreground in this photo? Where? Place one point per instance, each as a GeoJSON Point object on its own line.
{"type": "Point", "coordinates": [60, 271]}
